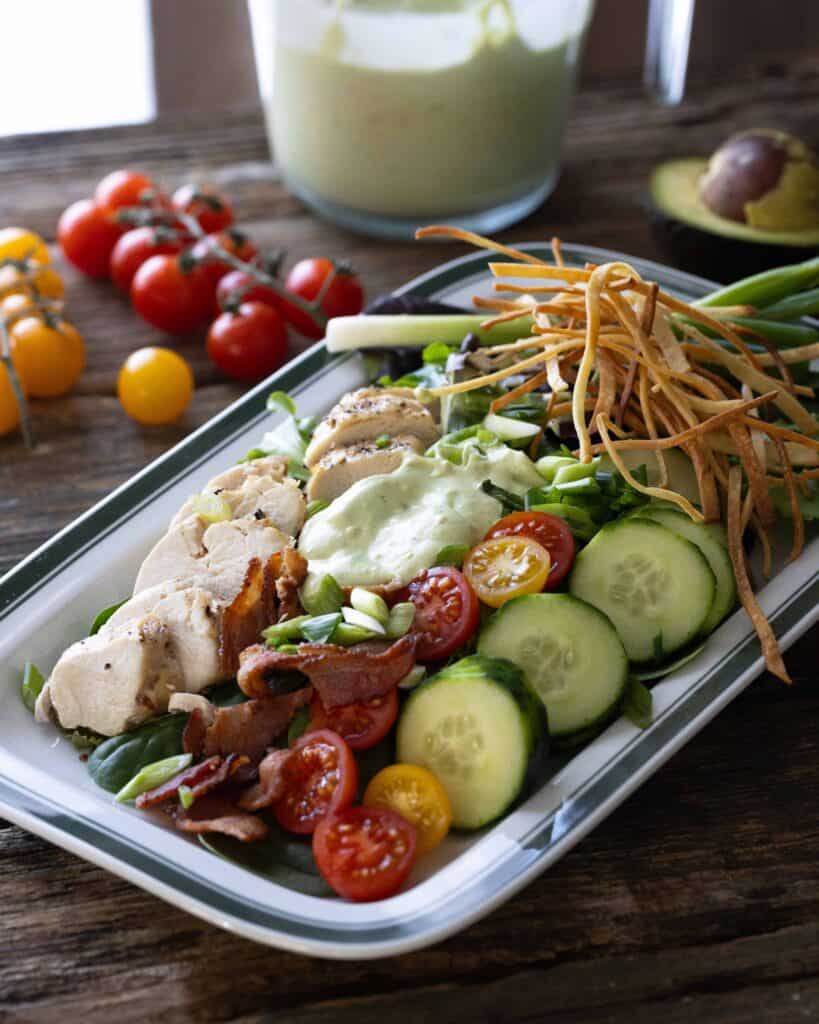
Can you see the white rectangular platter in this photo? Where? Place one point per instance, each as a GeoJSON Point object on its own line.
{"type": "Point", "coordinates": [49, 599]}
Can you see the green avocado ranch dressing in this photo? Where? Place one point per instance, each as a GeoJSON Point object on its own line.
{"type": "Point", "coordinates": [423, 107]}
{"type": "Point", "coordinates": [388, 528]}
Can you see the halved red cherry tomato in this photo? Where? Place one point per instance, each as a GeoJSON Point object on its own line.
{"type": "Point", "coordinates": [124, 188]}
{"type": "Point", "coordinates": [505, 567]}
{"type": "Point", "coordinates": [169, 297]}
{"type": "Point", "coordinates": [446, 611]}
{"type": "Point", "coordinates": [87, 236]}
{"type": "Point", "coordinates": [364, 853]}
{"type": "Point", "coordinates": [250, 343]}
{"type": "Point", "coordinates": [320, 778]}
{"type": "Point", "coordinates": [344, 295]}
{"type": "Point", "coordinates": [206, 205]}
{"type": "Point", "coordinates": [551, 532]}
{"type": "Point", "coordinates": [137, 246]}
{"type": "Point", "coordinates": [235, 242]}
{"type": "Point", "coordinates": [361, 725]}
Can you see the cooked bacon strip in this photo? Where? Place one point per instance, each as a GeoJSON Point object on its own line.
{"type": "Point", "coordinates": [193, 736]}
{"type": "Point", "coordinates": [251, 728]}
{"type": "Point", "coordinates": [270, 787]}
{"type": "Point", "coordinates": [217, 814]}
{"type": "Point", "coordinates": [292, 572]}
{"type": "Point", "coordinates": [253, 608]}
{"type": "Point", "coordinates": [342, 675]}
{"type": "Point", "coordinates": [199, 778]}
{"type": "Point", "coordinates": [770, 647]}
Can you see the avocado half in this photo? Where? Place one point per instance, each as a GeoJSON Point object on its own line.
{"type": "Point", "coordinates": [702, 242]}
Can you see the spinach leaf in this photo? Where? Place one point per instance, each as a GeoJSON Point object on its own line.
{"type": "Point", "coordinates": [279, 857]}
{"type": "Point", "coordinates": [370, 762]}
{"type": "Point", "coordinates": [33, 683]}
{"type": "Point", "coordinates": [103, 617]}
{"type": "Point", "coordinates": [638, 704]}
{"type": "Point", "coordinates": [298, 726]}
{"type": "Point", "coordinates": [658, 671]}
{"type": "Point", "coordinates": [118, 759]}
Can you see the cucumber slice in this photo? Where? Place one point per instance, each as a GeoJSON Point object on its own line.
{"type": "Point", "coordinates": [725, 593]}
{"type": "Point", "coordinates": [481, 731]}
{"type": "Point", "coordinates": [655, 586]}
{"type": "Point", "coordinates": [509, 430]}
{"type": "Point", "coordinates": [681, 475]}
{"type": "Point", "coordinates": [570, 654]}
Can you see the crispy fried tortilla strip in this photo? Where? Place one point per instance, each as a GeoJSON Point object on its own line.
{"type": "Point", "coordinates": [793, 499]}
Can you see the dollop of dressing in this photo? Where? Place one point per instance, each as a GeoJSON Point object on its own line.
{"type": "Point", "coordinates": [388, 528]}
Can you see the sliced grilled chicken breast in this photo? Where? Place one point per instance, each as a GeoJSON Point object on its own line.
{"type": "Point", "coordinates": [340, 468]}
{"type": "Point", "coordinates": [367, 414]}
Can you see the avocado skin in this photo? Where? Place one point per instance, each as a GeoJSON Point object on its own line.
{"type": "Point", "coordinates": [715, 256]}
{"type": "Point", "coordinates": [722, 250]}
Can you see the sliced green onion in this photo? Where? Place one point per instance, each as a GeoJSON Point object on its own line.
{"type": "Point", "coordinates": [550, 464]}
{"type": "Point", "coordinates": [281, 400]}
{"type": "Point", "coordinates": [288, 648]}
{"type": "Point", "coordinates": [356, 618]}
{"type": "Point", "coordinates": [794, 306]}
{"type": "Point", "coordinates": [185, 794]}
{"type": "Point", "coordinates": [452, 554]}
{"type": "Point", "coordinates": [368, 603]}
{"type": "Point", "coordinates": [766, 288]}
{"type": "Point", "coordinates": [153, 775]}
{"type": "Point", "coordinates": [587, 485]}
{"type": "Point", "coordinates": [416, 675]}
{"type": "Point", "coordinates": [315, 506]}
{"type": "Point", "coordinates": [253, 454]}
{"type": "Point", "coordinates": [282, 632]}
{"type": "Point", "coordinates": [321, 595]}
{"type": "Point", "coordinates": [213, 508]}
{"type": "Point", "coordinates": [32, 685]}
{"type": "Point", "coordinates": [346, 634]}
{"type": "Point", "coordinates": [402, 616]}
{"type": "Point", "coordinates": [575, 471]}
{"type": "Point", "coordinates": [383, 441]}
{"type": "Point", "coordinates": [319, 629]}
{"type": "Point", "coordinates": [408, 331]}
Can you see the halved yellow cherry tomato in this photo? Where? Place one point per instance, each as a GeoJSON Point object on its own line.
{"type": "Point", "coordinates": [155, 386]}
{"type": "Point", "coordinates": [39, 280]}
{"type": "Point", "coordinates": [20, 244]}
{"type": "Point", "coordinates": [48, 359]}
{"type": "Point", "coordinates": [415, 794]}
{"type": "Point", "coordinates": [9, 412]}
{"type": "Point", "coordinates": [501, 568]}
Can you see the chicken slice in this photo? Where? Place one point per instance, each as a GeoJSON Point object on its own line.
{"type": "Point", "coordinates": [259, 489]}
{"type": "Point", "coordinates": [367, 414]}
{"type": "Point", "coordinates": [214, 557]}
{"type": "Point", "coordinates": [114, 680]}
{"type": "Point", "coordinates": [192, 617]}
{"type": "Point", "coordinates": [340, 468]}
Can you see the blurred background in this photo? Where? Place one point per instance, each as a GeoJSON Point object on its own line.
{"type": "Point", "coordinates": [130, 61]}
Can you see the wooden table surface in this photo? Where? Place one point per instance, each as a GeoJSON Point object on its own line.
{"type": "Point", "coordinates": [698, 900]}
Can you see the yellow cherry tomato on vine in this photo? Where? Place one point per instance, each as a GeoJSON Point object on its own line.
{"type": "Point", "coordinates": [20, 244]}
{"type": "Point", "coordinates": [415, 794]}
{"type": "Point", "coordinates": [9, 411]}
{"type": "Point", "coordinates": [49, 356]}
{"type": "Point", "coordinates": [39, 280]}
{"type": "Point", "coordinates": [17, 305]}
{"type": "Point", "coordinates": [505, 567]}
{"type": "Point", "coordinates": [155, 386]}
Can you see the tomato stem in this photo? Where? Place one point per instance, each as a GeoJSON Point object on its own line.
{"type": "Point", "coordinates": [19, 395]}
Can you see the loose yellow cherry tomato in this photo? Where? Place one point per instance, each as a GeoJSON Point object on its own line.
{"type": "Point", "coordinates": [39, 280]}
{"type": "Point", "coordinates": [48, 358]}
{"type": "Point", "coordinates": [505, 567]}
{"type": "Point", "coordinates": [20, 244]}
{"type": "Point", "coordinates": [9, 412]}
{"type": "Point", "coordinates": [415, 794]}
{"type": "Point", "coordinates": [155, 386]}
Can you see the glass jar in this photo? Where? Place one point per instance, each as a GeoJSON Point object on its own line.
{"type": "Point", "coordinates": [387, 114]}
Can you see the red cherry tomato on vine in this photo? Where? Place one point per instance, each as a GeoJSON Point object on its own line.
{"type": "Point", "coordinates": [344, 295]}
{"type": "Point", "coordinates": [169, 297]}
{"type": "Point", "coordinates": [206, 205]}
{"type": "Point", "coordinates": [137, 246]}
{"type": "Point", "coordinates": [365, 853]}
{"type": "Point", "coordinates": [361, 725]}
{"type": "Point", "coordinates": [235, 242]}
{"type": "Point", "coordinates": [87, 236]}
{"type": "Point", "coordinates": [248, 344]}
{"type": "Point", "coordinates": [124, 188]}
{"type": "Point", "coordinates": [551, 532]}
{"type": "Point", "coordinates": [238, 283]}
{"type": "Point", "coordinates": [446, 611]}
{"type": "Point", "coordinates": [320, 778]}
